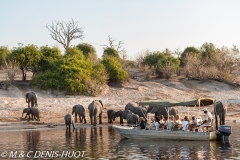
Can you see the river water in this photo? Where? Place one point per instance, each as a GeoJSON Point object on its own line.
{"type": "Point", "coordinates": [106, 143]}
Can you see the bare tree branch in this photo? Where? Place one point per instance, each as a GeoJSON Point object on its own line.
{"type": "Point", "coordinates": [111, 45]}
{"type": "Point", "coordinates": [64, 33]}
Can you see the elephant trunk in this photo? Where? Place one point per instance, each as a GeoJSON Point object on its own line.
{"type": "Point", "coordinates": [22, 114]}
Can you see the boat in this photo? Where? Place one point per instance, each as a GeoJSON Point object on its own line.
{"type": "Point", "coordinates": [136, 133]}
{"type": "Point", "coordinates": [131, 132]}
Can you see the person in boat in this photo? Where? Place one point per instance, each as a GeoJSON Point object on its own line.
{"type": "Point", "coordinates": [157, 123]}
{"type": "Point", "coordinates": [152, 125]}
{"type": "Point", "coordinates": [207, 120]}
{"type": "Point", "coordinates": [169, 123]}
{"type": "Point", "coordinates": [193, 122]}
{"type": "Point", "coordinates": [185, 123]}
{"type": "Point", "coordinates": [177, 120]}
{"type": "Point", "coordinates": [142, 123]}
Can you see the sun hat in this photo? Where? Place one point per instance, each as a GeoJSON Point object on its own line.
{"type": "Point", "coordinates": [205, 109]}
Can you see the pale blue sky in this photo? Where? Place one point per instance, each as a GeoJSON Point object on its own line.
{"type": "Point", "coordinates": [139, 24]}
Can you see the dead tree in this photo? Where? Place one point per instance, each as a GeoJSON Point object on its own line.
{"type": "Point", "coordinates": [64, 33]}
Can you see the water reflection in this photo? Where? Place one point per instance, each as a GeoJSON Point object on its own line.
{"type": "Point", "coordinates": [169, 149]}
{"type": "Point", "coordinates": [105, 142]}
{"type": "Point", "coordinates": [32, 140]}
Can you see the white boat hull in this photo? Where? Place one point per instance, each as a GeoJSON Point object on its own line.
{"type": "Point", "coordinates": [136, 133]}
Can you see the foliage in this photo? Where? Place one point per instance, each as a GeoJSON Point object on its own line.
{"type": "Point", "coordinates": [73, 73]}
{"type": "Point", "coordinates": [217, 63]}
{"type": "Point", "coordinates": [111, 52]}
{"type": "Point", "coordinates": [48, 56]}
{"type": "Point", "coordinates": [167, 66]}
{"type": "Point", "coordinates": [88, 51]}
{"type": "Point", "coordinates": [114, 69]}
{"type": "Point", "coordinates": [163, 62]}
{"type": "Point", "coordinates": [208, 50]}
{"type": "Point", "coordinates": [189, 50]}
{"type": "Point", "coordinates": [27, 58]}
{"type": "Point", "coordinates": [152, 58]}
{"type": "Point", "coordinates": [4, 52]}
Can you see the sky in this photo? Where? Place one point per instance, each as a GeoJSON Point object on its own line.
{"type": "Point", "coordinates": [141, 25]}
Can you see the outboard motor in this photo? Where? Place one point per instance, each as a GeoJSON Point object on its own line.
{"type": "Point", "coordinates": [224, 132]}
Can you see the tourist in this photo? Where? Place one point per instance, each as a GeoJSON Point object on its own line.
{"type": "Point", "coordinates": [142, 123]}
{"type": "Point", "coordinates": [152, 125]}
{"type": "Point", "coordinates": [169, 123]}
{"type": "Point", "coordinates": [185, 123]}
{"type": "Point", "coordinates": [157, 124]}
{"type": "Point", "coordinates": [178, 120]}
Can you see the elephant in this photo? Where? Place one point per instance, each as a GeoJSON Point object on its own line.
{"type": "Point", "coordinates": [161, 111]}
{"type": "Point", "coordinates": [130, 117]}
{"type": "Point", "coordinates": [32, 98]}
{"type": "Point", "coordinates": [140, 111]}
{"type": "Point", "coordinates": [119, 114]}
{"type": "Point", "coordinates": [34, 112]}
{"type": "Point", "coordinates": [80, 111]}
{"type": "Point", "coordinates": [95, 109]}
{"type": "Point", "coordinates": [68, 121]}
{"type": "Point", "coordinates": [111, 116]}
{"type": "Point", "coordinates": [221, 112]}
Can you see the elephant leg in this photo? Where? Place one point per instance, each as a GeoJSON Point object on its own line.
{"type": "Point", "coordinates": [100, 118]}
{"type": "Point", "coordinates": [32, 103]}
{"type": "Point", "coordinates": [223, 118]}
{"type": "Point", "coordinates": [94, 120]}
{"type": "Point", "coordinates": [91, 119]}
{"type": "Point", "coordinates": [84, 119]}
{"type": "Point", "coordinates": [75, 117]}
{"type": "Point", "coordinates": [121, 120]}
{"type": "Point", "coordinates": [80, 118]}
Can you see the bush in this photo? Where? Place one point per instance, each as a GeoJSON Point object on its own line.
{"type": "Point", "coordinates": [73, 73]}
{"type": "Point", "coordinates": [114, 69]}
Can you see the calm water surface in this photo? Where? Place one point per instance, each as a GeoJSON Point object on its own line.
{"type": "Point", "coordinates": [106, 143]}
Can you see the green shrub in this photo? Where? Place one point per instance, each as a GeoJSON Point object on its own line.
{"type": "Point", "coordinates": [73, 73]}
{"type": "Point", "coordinates": [114, 69]}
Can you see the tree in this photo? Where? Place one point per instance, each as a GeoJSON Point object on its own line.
{"type": "Point", "coordinates": [189, 50]}
{"type": "Point", "coordinates": [4, 52]}
{"type": "Point", "coordinates": [88, 51]}
{"type": "Point", "coordinates": [111, 45]}
{"type": "Point", "coordinates": [64, 33]}
{"type": "Point", "coordinates": [111, 52]}
{"type": "Point", "coordinates": [27, 57]}
{"type": "Point", "coordinates": [48, 56]}
{"type": "Point", "coordinates": [208, 50]}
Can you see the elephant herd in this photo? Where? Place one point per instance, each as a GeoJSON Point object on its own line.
{"type": "Point", "coordinates": [131, 113]}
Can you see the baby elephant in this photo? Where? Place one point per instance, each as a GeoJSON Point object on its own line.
{"type": "Point", "coordinates": [68, 121]}
{"type": "Point", "coordinates": [33, 112]}
{"type": "Point", "coordinates": [80, 111]}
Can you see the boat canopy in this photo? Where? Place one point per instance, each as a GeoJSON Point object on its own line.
{"type": "Point", "coordinates": [173, 103]}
